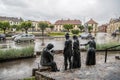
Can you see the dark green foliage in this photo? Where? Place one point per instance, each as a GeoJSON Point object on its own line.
{"type": "Point", "coordinates": [75, 31]}
{"type": "Point", "coordinates": [81, 27]}
{"type": "Point", "coordinates": [26, 25]}
{"type": "Point", "coordinates": [4, 25]}
{"type": "Point", "coordinates": [68, 27]}
{"type": "Point", "coordinates": [16, 53]}
{"type": "Point", "coordinates": [90, 28]}
{"type": "Point", "coordinates": [43, 26]}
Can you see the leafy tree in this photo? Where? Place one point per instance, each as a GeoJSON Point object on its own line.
{"type": "Point", "coordinates": [26, 25]}
{"type": "Point", "coordinates": [4, 26]}
{"type": "Point", "coordinates": [17, 27]}
{"type": "Point", "coordinates": [81, 27]}
{"type": "Point", "coordinates": [43, 26]}
{"type": "Point", "coordinates": [68, 27]}
{"type": "Point", "coordinates": [51, 27]}
{"type": "Point", "coordinates": [75, 31]}
{"type": "Point", "coordinates": [90, 28]}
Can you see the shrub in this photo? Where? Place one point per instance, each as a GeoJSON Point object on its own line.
{"type": "Point", "coordinates": [16, 53]}
{"type": "Point", "coordinates": [107, 45]}
{"type": "Point", "coordinates": [56, 33]}
{"type": "Point", "coordinates": [75, 31]}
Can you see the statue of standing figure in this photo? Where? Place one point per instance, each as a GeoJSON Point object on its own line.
{"type": "Point", "coordinates": [91, 56]}
{"type": "Point", "coordinates": [67, 52]}
{"type": "Point", "coordinates": [47, 57]}
{"type": "Point", "coordinates": [76, 53]}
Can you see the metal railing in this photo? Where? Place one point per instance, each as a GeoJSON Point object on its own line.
{"type": "Point", "coordinates": [106, 50]}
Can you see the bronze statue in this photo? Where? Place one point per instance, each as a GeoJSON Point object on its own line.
{"type": "Point", "coordinates": [67, 52]}
{"type": "Point", "coordinates": [47, 57]}
{"type": "Point", "coordinates": [76, 53]}
{"type": "Point", "coordinates": [91, 57]}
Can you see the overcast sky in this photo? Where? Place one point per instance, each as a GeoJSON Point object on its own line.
{"type": "Point", "coordinates": [100, 10]}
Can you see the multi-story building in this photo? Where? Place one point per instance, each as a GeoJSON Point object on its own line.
{"type": "Point", "coordinates": [58, 26]}
{"type": "Point", "coordinates": [92, 23]}
{"type": "Point", "coordinates": [11, 20]}
{"type": "Point", "coordinates": [114, 24]}
{"type": "Point", "coordinates": [35, 26]}
{"type": "Point", "coordinates": [103, 28]}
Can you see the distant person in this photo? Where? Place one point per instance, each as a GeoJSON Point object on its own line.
{"type": "Point", "coordinates": [76, 53]}
{"type": "Point", "coordinates": [67, 52]}
{"type": "Point", "coordinates": [47, 57]}
{"type": "Point", "coordinates": [91, 56]}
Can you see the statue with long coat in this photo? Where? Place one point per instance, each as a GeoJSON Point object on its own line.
{"type": "Point", "coordinates": [67, 52]}
{"type": "Point", "coordinates": [76, 53]}
{"type": "Point", "coordinates": [91, 56]}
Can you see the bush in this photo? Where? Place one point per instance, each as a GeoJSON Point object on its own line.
{"type": "Point", "coordinates": [16, 53]}
{"type": "Point", "coordinates": [107, 45]}
{"type": "Point", "coordinates": [56, 33]}
{"type": "Point", "coordinates": [75, 31]}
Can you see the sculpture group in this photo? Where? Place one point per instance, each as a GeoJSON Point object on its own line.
{"type": "Point", "coordinates": [71, 54]}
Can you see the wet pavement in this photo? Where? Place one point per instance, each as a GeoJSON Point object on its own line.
{"type": "Point", "coordinates": [19, 69]}
{"type": "Point", "coordinates": [23, 68]}
{"type": "Point", "coordinates": [101, 71]}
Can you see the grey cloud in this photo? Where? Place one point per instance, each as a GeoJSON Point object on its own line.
{"type": "Point", "coordinates": [100, 10]}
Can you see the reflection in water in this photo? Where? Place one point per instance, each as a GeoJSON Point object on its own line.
{"type": "Point", "coordinates": [43, 43]}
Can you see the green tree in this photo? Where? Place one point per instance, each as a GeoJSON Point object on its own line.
{"type": "Point", "coordinates": [51, 27]}
{"type": "Point", "coordinates": [68, 27]}
{"type": "Point", "coordinates": [4, 26]}
{"type": "Point", "coordinates": [17, 27]}
{"type": "Point", "coordinates": [26, 25]}
{"type": "Point", "coordinates": [90, 28]}
{"type": "Point", "coordinates": [81, 27]}
{"type": "Point", "coordinates": [43, 26]}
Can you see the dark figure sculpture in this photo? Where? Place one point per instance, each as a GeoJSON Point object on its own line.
{"type": "Point", "coordinates": [67, 52]}
{"type": "Point", "coordinates": [91, 58]}
{"type": "Point", "coordinates": [47, 58]}
{"type": "Point", "coordinates": [76, 53]}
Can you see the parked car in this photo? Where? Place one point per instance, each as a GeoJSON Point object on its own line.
{"type": "Point", "coordinates": [2, 37]}
{"type": "Point", "coordinates": [13, 37]}
{"type": "Point", "coordinates": [115, 33]}
{"type": "Point", "coordinates": [85, 35]}
{"type": "Point", "coordinates": [24, 37]}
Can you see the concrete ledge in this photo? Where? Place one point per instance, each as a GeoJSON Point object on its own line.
{"type": "Point", "coordinates": [40, 76]}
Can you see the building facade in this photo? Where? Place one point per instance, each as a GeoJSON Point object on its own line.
{"type": "Point", "coordinates": [11, 20]}
{"type": "Point", "coordinates": [36, 27]}
{"type": "Point", "coordinates": [103, 28]}
{"type": "Point", "coordinates": [114, 24]}
{"type": "Point", "coordinates": [92, 23]}
{"type": "Point", "coordinates": [58, 26]}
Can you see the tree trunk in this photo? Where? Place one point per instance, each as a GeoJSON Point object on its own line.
{"type": "Point", "coordinates": [4, 31]}
{"type": "Point", "coordinates": [26, 31]}
{"type": "Point", "coordinates": [42, 33]}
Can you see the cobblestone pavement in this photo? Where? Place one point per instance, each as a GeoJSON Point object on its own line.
{"type": "Point", "coordinates": [101, 71]}
{"type": "Point", "coordinates": [19, 69]}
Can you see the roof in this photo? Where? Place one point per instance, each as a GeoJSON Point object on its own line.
{"type": "Point", "coordinates": [46, 22]}
{"type": "Point", "coordinates": [115, 20]}
{"type": "Point", "coordinates": [10, 19]}
{"type": "Point", "coordinates": [62, 22]}
{"type": "Point", "coordinates": [91, 21]}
